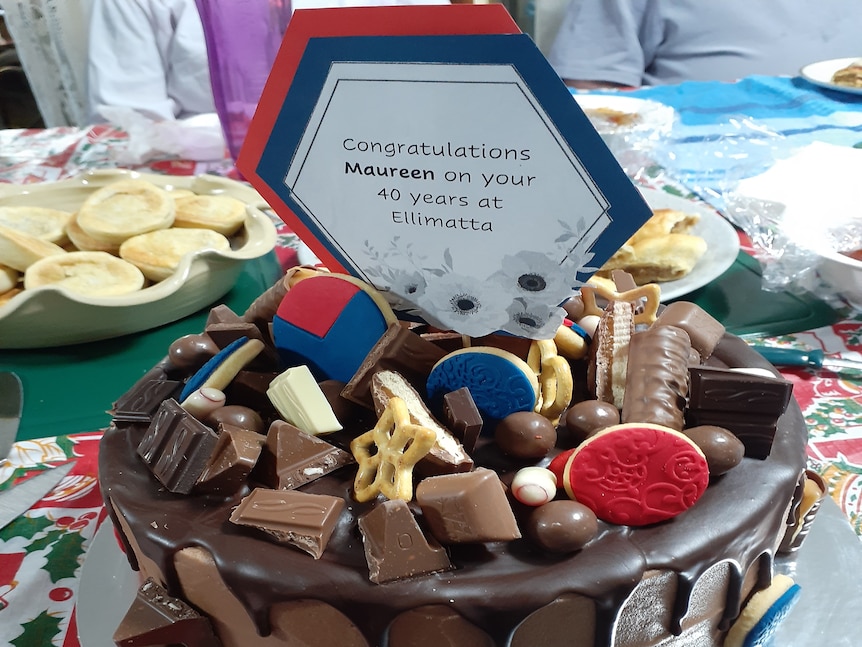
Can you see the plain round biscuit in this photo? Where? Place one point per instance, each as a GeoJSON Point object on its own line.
{"type": "Point", "coordinates": [41, 222]}
{"type": "Point", "coordinates": [124, 209]}
{"type": "Point", "coordinates": [220, 213]}
{"type": "Point", "coordinates": [158, 253]}
{"type": "Point", "coordinates": [6, 297]}
{"type": "Point", "coordinates": [86, 243]}
{"type": "Point", "coordinates": [19, 250]}
{"type": "Point", "coordinates": [96, 274]}
{"type": "Point", "coordinates": [8, 278]}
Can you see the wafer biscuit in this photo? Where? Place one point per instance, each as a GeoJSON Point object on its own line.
{"type": "Point", "coordinates": [124, 209]}
{"type": "Point", "coordinates": [158, 253]}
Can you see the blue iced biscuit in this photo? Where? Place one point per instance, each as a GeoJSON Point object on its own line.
{"type": "Point", "coordinates": [330, 322]}
{"type": "Point", "coordinates": [197, 380]}
{"type": "Point", "coordinates": [763, 613]}
{"type": "Point", "coordinates": [499, 382]}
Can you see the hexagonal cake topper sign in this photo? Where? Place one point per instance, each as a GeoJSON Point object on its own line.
{"type": "Point", "coordinates": [434, 153]}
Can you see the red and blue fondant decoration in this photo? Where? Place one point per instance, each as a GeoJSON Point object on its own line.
{"type": "Point", "coordinates": [330, 322]}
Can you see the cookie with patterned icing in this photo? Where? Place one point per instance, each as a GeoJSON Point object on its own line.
{"type": "Point", "coordinates": [636, 474]}
{"type": "Point", "coordinates": [500, 382]}
{"type": "Point", "coordinates": [763, 614]}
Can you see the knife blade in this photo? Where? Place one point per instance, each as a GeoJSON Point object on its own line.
{"type": "Point", "coordinates": [11, 404]}
{"type": "Point", "coordinates": [814, 358]}
{"type": "Point", "coordinates": [17, 500]}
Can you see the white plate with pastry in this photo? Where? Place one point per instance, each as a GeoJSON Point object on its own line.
{"type": "Point", "coordinates": [722, 242]}
{"type": "Point", "coordinates": [56, 292]}
{"type": "Point", "coordinates": [822, 74]}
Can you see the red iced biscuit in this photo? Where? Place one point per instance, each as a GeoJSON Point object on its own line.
{"type": "Point", "coordinates": [636, 474]}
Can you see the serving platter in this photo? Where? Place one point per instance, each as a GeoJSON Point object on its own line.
{"type": "Point", "coordinates": [721, 239]}
{"type": "Point", "coordinates": [820, 74]}
{"type": "Point", "coordinates": [52, 316]}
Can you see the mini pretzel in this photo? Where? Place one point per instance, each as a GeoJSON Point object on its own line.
{"type": "Point", "coordinates": [651, 292]}
{"type": "Point", "coordinates": [387, 453]}
{"type": "Point", "coordinates": [555, 378]}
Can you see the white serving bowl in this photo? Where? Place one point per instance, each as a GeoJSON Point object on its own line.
{"type": "Point", "coordinates": [51, 316]}
{"type": "Point", "coordinates": [843, 275]}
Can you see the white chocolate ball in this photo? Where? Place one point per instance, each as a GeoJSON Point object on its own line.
{"type": "Point", "coordinates": [589, 324]}
{"type": "Point", "coordinates": [534, 486]}
{"type": "Point", "coordinates": [203, 402]}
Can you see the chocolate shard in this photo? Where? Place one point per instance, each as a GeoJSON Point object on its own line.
{"type": "Point", "coordinates": [400, 350]}
{"type": "Point", "coordinates": [222, 314]}
{"type": "Point", "coordinates": [234, 456]}
{"type": "Point", "coordinates": [747, 405]}
{"type": "Point", "coordinates": [140, 403]}
{"type": "Point", "coordinates": [395, 547]}
{"type": "Point", "coordinates": [176, 447]}
{"type": "Point", "coordinates": [463, 417]}
{"type": "Point", "coordinates": [155, 618]}
{"type": "Point", "coordinates": [305, 521]}
{"type": "Point", "coordinates": [249, 388]}
{"type": "Point", "coordinates": [467, 507]}
{"type": "Point", "coordinates": [292, 457]}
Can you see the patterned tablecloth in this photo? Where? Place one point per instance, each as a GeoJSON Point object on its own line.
{"type": "Point", "coordinates": [42, 552]}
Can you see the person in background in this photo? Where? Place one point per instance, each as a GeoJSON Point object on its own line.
{"type": "Point", "coordinates": [630, 43]}
{"type": "Point", "coordinates": [150, 55]}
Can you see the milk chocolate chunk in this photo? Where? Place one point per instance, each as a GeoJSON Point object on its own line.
{"type": "Point", "coordinates": [234, 456]}
{"type": "Point", "coordinates": [436, 625]}
{"type": "Point", "coordinates": [141, 402]}
{"type": "Point", "coordinates": [176, 447]}
{"type": "Point", "coordinates": [395, 547]}
{"type": "Point", "coordinates": [398, 350]}
{"type": "Point", "coordinates": [467, 507]}
{"type": "Point", "coordinates": [657, 377]}
{"type": "Point", "coordinates": [703, 329]}
{"type": "Point", "coordinates": [222, 314]}
{"type": "Point", "coordinates": [568, 620]}
{"type": "Point", "coordinates": [292, 457]}
{"type": "Point", "coordinates": [303, 520]}
{"type": "Point", "coordinates": [238, 416]}
{"type": "Point", "coordinates": [155, 618]}
{"type": "Point", "coordinates": [748, 405]}
{"type": "Point", "coordinates": [463, 417]}
{"type": "Point", "coordinates": [249, 388]}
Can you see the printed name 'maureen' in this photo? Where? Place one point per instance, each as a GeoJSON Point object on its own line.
{"type": "Point", "coordinates": [389, 171]}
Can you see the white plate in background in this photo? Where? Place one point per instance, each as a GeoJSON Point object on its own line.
{"type": "Point", "coordinates": [722, 242]}
{"type": "Point", "coordinates": [820, 74]}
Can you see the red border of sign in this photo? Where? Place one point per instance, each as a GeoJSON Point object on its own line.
{"type": "Point", "coordinates": [355, 21]}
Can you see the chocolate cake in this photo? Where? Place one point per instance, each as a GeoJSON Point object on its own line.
{"type": "Point", "coordinates": [190, 500]}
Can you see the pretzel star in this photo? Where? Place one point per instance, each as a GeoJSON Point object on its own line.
{"type": "Point", "coordinates": [387, 453]}
{"type": "Point", "coordinates": [650, 293]}
{"type": "Point", "coordinates": [555, 378]}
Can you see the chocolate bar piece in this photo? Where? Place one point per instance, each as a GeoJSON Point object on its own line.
{"type": "Point", "coordinates": [303, 520]}
{"type": "Point", "coordinates": [467, 507]}
{"type": "Point", "coordinates": [657, 377]}
{"type": "Point", "coordinates": [141, 402]}
{"type": "Point", "coordinates": [176, 447]}
{"type": "Point", "coordinates": [235, 454]}
{"type": "Point", "coordinates": [292, 457]}
{"type": "Point", "coordinates": [395, 547]}
{"type": "Point", "coordinates": [398, 350]}
{"type": "Point", "coordinates": [747, 405]}
{"type": "Point", "coordinates": [463, 417]}
{"type": "Point", "coordinates": [156, 618]}
{"type": "Point", "coordinates": [703, 329]}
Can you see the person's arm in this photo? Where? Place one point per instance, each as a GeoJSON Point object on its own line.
{"type": "Point", "coordinates": [126, 66]}
{"type": "Point", "coordinates": [598, 44]}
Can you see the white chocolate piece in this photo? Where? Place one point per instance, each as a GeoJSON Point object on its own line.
{"type": "Point", "coordinates": [297, 397]}
{"type": "Point", "coordinates": [754, 370]}
{"type": "Point", "coordinates": [534, 486]}
{"type": "Point", "coordinates": [203, 402]}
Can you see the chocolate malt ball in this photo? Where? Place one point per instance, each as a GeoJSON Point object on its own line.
{"type": "Point", "coordinates": [562, 526]}
{"type": "Point", "coordinates": [525, 434]}
{"type": "Point", "coordinates": [722, 449]}
{"type": "Point", "coordinates": [585, 418]}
